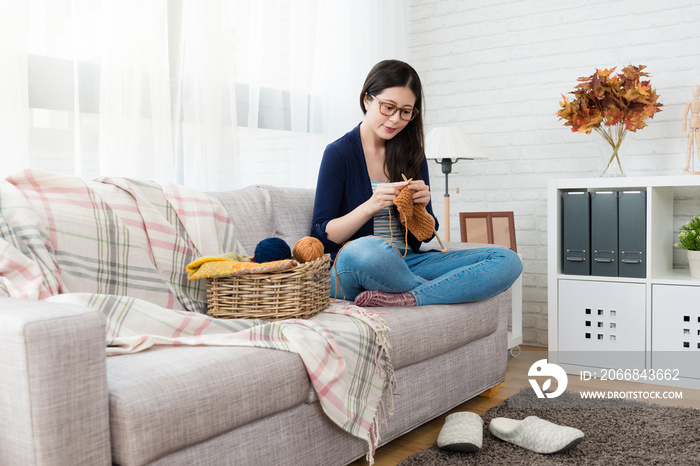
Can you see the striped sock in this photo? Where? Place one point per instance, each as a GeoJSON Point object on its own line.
{"type": "Point", "coordinates": [381, 299]}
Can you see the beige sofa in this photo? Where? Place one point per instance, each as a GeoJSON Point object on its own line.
{"type": "Point", "coordinates": [64, 403]}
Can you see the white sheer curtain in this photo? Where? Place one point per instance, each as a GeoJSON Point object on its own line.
{"type": "Point", "coordinates": [135, 130]}
{"type": "Point", "coordinates": [14, 151]}
{"type": "Point", "coordinates": [207, 146]}
{"type": "Point", "coordinates": [216, 95]}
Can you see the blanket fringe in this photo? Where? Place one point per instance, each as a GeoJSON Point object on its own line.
{"type": "Point", "coordinates": [385, 409]}
{"type": "Point", "coordinates": [384, 367]}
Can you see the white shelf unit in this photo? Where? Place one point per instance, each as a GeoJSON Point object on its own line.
{"type": "Point", "coordinates": [655, 320]}
{"type": "Point", "coordinates": [515, 334]}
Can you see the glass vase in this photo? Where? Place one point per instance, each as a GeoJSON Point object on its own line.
{"type": "Point", "coordinates": [613, 150]}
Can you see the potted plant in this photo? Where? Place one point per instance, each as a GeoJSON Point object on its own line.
{"type": "Point", "coordinates": [611, 104]}
{"type": "Point", "coordinates": [689, 239]}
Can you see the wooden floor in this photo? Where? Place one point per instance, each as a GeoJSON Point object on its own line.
{"type": "Point", "coordinates": [516, 378]}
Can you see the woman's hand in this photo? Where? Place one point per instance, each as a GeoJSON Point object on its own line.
{"type": "Point", "coordinates": [384, 196]}
{"type": "Point", "coordinates": [342, 228]}
{"type": "Point", "coordinates": [422, 192]}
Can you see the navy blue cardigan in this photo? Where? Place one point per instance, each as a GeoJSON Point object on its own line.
{"type": "Point", "coordinates": [343, 184]}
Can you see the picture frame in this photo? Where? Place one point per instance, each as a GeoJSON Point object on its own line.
{"type": "Point", "coordinates": [489, 228]}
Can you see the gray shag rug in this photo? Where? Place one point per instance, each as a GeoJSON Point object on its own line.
{"type": "Point", "coordinates": [616, 432]}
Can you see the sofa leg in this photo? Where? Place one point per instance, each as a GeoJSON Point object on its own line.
{"type": "Point", "coordinates": [491, 392]}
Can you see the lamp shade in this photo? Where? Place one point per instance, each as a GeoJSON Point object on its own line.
{"type": "Point", "coordinates": [451, 142]}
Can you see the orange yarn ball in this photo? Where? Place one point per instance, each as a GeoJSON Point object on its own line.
{"type": "Point", "coordinates": [307, 249]}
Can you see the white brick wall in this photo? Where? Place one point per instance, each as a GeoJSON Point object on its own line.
{"type": "Point", "coordinates": [498, 69]}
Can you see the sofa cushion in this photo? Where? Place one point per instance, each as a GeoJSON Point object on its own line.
{"type": "Point", "coordinates": [251, 211]}
{"type": "Point", "coordinates": [260, 212]}
{"type": "Point", "coordinates": [422, 332]}
{"type": "Point", "coordinates": [294, 209]}
{"type": "Point", "coordinates": [166, 398]}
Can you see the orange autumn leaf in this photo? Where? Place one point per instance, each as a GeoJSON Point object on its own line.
{"type": "Point", "coordinates": [607, 98]}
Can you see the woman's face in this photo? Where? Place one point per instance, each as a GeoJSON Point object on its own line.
{"type": "Point", "coordinates": [386, 127]}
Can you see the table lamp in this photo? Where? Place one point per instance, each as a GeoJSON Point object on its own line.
{"type": "Point", "coordinates": [447, 145]}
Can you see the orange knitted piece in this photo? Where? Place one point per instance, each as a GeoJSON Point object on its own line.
{"type": "Point", "coordinates": [414, 216]}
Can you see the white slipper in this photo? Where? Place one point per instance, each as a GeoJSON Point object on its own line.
{"type": "Point", "coordinates": [535, 434]}
{"type": "Point", "coordinates": [463, 431]}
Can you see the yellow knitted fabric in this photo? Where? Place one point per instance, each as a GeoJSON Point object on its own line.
{"type": "Point", "coordinates": [231, 263]}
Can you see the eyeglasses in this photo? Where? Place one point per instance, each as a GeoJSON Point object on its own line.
{"type": "Point", "coordinates": [389, 109]}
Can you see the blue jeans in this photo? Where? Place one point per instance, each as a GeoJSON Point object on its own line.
{"type": "Point", "coordinates": [372, 263]}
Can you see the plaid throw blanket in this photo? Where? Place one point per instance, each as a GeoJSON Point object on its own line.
{"type": "Point", "coordinates": [121, 246]}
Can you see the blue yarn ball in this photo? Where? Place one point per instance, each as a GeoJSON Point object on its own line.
{"type": "Point", "coordinates": [272, 249]}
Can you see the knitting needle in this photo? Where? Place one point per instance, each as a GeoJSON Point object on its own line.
{"type": "Point", "coordinates": [444, 249]}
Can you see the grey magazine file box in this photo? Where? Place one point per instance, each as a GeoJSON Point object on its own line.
{"type": "Point", "coordinates": [632, 230]}
{"type": "Point", "coordinates": [576, 237]}
{"type": "Point", "coordinates": [604, 252]}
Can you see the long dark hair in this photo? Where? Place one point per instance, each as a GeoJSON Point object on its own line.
{"type": "Point", "coordinates": [404, 152]}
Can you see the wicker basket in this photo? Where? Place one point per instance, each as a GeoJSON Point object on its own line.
{"type": "Point", "coordinates": [300, 292]}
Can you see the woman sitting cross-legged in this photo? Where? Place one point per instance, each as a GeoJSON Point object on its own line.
{"type": "Point", "coordinates": [361, 175]}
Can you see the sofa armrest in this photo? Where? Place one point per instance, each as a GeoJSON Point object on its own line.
{"type": "Point", "coordinates": [54, 400]}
